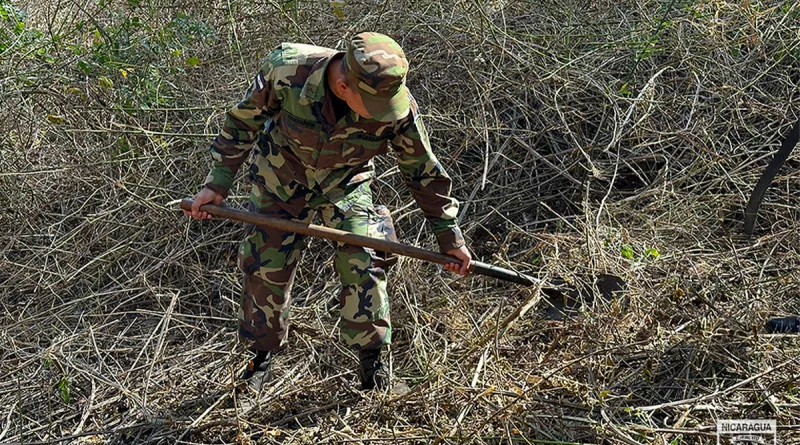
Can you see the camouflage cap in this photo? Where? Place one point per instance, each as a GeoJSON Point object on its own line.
{"type": "Point", "coordinates": [376, 64]}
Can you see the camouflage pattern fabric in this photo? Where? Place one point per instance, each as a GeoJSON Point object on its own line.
{"type": "Point", "coordinates": [306, 161]}
{"type": "Point", "coordinates": [303, 145]}
{"type": "Point", "coordinates": [376, 64]}
{"type": "Point", "coordinates": [268, 258]}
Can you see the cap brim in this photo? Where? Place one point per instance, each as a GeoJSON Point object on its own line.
{"type": "Point", "coordinates": [387, 110]}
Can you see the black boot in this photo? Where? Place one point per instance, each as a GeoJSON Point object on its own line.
{"type": "Point", "coordinates": [373, 373]}
{"type": "Point", "coordinates": [258, 371]}
{"type": "Point", "coordinates": [783, 325]}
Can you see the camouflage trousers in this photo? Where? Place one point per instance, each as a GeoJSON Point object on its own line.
{"type": "Point", "coordinates": [268, 258]}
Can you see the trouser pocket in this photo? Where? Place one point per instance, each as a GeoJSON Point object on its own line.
{"type": "Point", "coordinates": [382, 227]}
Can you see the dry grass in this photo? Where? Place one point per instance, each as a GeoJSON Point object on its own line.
{"type": "Point", "coordinates": [572, 129]}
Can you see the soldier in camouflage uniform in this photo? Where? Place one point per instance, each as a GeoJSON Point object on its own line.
{"type": "Point", "coordinates": [324, 115]}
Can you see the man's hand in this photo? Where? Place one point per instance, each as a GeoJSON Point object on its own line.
{"type": "Point", "coordinates": [462, 254]}
{"type": "Point", "coordinates": [206, 196]}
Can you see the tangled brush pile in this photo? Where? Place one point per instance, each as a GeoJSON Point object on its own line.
{"type": "Point", "coordinates": [583, 137]}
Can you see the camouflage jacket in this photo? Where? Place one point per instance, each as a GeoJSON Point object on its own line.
{"type": "Point", "coordinates": [303, 146]}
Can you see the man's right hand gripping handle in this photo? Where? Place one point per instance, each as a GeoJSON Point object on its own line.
{"type": "Point", "coordinates": [205, 196]}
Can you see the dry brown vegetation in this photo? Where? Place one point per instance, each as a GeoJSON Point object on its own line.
{"type": "Point", "coordinates": [584, 137]}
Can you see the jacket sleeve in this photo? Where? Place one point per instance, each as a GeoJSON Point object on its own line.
{"type": "Point", "coordinates": [429, 183]}
{"type": "Point", "coordinates": [243, 125]}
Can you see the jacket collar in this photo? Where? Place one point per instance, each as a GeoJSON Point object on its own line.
{"type": "Point", "coordinates": [314, 87]}
{"type": "Point", "coordinates": [316, 93]}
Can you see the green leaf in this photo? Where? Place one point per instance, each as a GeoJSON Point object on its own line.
{"type": "Point", "coordinates": [652, 252]}
{"type": "Point", "coordinates": [677, 441]}
{"type": "Point", "coordinates": [56, 119]}
{"type": "Point", "coordinates": [105, 82]}
{"type": "Point", "coordinates": [627, 251]}
{"type": "Point", "coordinates": [337, 9]}
{"type": "Point", "coordinates": [63, 389]}
{"type": "Point", "coordinates": [124, 145]}
{"type": "Point", "coordinates": [84, 66]}
{"type": "Point", "coordinates": [193, 61]}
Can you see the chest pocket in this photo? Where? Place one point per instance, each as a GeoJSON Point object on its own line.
{"type": "Point", "coordinates": [361, 147]}
{"type": "Point", "coordinates": [302, 137]}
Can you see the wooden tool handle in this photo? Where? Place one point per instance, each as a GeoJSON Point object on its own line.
{"type": "Point", "coordinates": [341, 236]}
